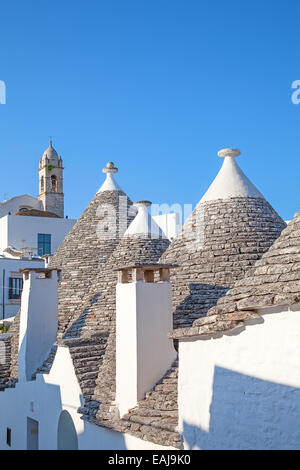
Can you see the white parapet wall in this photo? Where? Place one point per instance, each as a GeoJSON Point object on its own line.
{"type": "Point", "coordinates": [143, 350]}
{"type": "Point", "coordinates": [242, 390]}
{"type": "Point", "coordinates": [38, 321]}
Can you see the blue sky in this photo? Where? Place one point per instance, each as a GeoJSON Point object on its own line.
{"type": "Point", "coordinates": [158, 87]}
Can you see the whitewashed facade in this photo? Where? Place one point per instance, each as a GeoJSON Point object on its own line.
{"type": "Point", "coordinates": [242, 390]}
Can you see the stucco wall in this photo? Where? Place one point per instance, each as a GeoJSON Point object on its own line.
{"type": "Point", "coordinates": [43, 400]}
{"type": "Point", "coordinates": [143, 350]}
{"type": "Point", "coordinates": [242, 391]}
{"type": "Point", "coordinates": [38, 322]}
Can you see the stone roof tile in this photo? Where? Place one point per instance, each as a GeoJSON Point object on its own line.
{"type": "Point", "coordinates": [274, 281]}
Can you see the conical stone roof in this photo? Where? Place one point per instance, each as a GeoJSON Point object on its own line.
{"type": "Point", "coordinates": [80, 258]}
{"type": "Point", "coordinates": [87, 248]}
{"type": "Point", "coordinates": [143, 243]}
{"type": "Point", "coordinates": [136, 247]}
{"type": "Point", "coordinates": [229, 230]}
{"type": "Point", "coordinates": [273, 281]}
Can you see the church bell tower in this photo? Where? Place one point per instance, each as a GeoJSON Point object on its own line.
{"type": "Point", "coordinates": [51, 182]}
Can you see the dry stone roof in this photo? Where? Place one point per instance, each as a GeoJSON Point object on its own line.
{"type": "Point", "coordinates": [134, 248]}
{"type": "Point", "coordinates": [14, 348]}
{"type": "Point", "coordinates": [80, 258]}
{"type": "Point", "coordinates": [155, 418]}
{"type": "Point", "coordinates": [36, 213]}
{"type": "Point", "coordinates": [5, 359]}
{"type": "Point", "coordinates": [86, 250]}
{"type": "Point", "coordinates": [273, 281]}
{"type": "Point", "coordinates": [87, 304]}
{"type": "Point", "coordinates": [219, 243]}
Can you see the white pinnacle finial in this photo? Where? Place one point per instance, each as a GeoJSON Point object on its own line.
{"type": "Point", "coordinates": [231, 181]}
{"type": "Point", "coordinates": [110, 168]}
{"type": "Point", "coordinates": [143, 224]}
{"type": "Point", "coordinates": [142, 203]}
{"type": "Point", "coordinates": [229, 153]}
{"type": "Point", "coordinates": [110, 184]}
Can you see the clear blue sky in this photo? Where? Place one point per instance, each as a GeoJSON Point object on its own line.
{"type": "Point", "coordinates": [158, 87]}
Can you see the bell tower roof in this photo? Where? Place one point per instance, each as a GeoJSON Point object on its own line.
{"type": "Point", "coordinates": [51, 154]}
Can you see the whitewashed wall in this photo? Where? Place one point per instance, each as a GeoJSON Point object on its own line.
{"type": "Point", "coordinates": [38, 322]}
{"type": "Point", "coordinates": [22, 231]}
{"type": "Point", "coordinates": [242, 391]}
{"type": "Point", "coordinates": [9, 266]}
{"type": "Point", "coordinates": [143, 350]}
{"type": "Point", "coordinates": [43, 400]}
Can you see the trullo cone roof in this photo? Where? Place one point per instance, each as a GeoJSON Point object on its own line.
{"type": "Point", "coordinates": [230, 228]}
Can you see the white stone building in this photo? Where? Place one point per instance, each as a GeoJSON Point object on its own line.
{"type": "Point", "coordinates": [51, 196]}
{"type": "Point", "coordinates": [91, 361]}
{"type": "Point", "coordinates": [31, 228]}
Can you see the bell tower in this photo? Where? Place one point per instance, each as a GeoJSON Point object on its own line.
{"type": "Point", "coordinates": [51, 182]}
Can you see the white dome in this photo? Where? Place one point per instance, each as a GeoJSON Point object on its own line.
{"type": "Point", "coordinates": [51, 154]}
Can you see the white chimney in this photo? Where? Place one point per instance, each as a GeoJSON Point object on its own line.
{"type": "Point", "coordinates": [38, 319]}
{"type": "Point", "coordinates": [143, 320]}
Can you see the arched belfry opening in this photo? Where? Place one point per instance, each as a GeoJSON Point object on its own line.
{"type": "Point", "coordinates": [53, 183]}
{"type": "Point", "coordinates": [66, 432]}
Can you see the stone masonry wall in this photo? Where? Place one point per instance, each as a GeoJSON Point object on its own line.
{"type": "Point", "coordinates": [5, 359]}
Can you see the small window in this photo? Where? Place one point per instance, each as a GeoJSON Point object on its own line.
{"type": "Point", "coordinates": [53, 183]}
{"type": "Point", "coordinates": [42, 184]}
{"type": "Point", "coordinates": [44, 244]}
{"type": "Point", "coordinates": [8, 437]}
{"type": "Point", "coordinates": [15, 287]}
